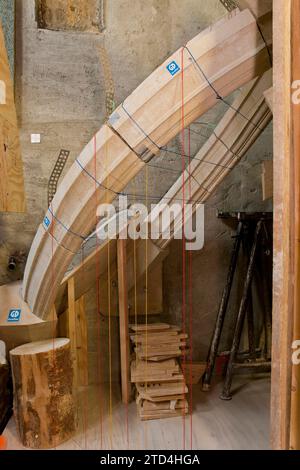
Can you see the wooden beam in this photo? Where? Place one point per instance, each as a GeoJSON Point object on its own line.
{"type": "Point", "coordinates": [123, 320]}
{"type": "Point", "coordinates": [12, 195]}
{"type": "Point", "coordinates": [71, 328]}
{"type": "Point", "coordinates": [295, 138]}
{"type": "Point", "coordinates": [284, 229]}
{"type": "Point", "coordinates": [82, 342]}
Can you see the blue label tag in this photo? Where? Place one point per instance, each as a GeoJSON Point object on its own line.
{"type": "Point", "coordinates": [173, 67]}
{"type": "Point", "coordinates": [14, 315]}
{"type": "Point", "coordinates": [46, 222]}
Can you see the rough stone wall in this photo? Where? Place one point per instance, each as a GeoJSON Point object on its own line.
{"type": "Point", "coordinates": [60, 93]}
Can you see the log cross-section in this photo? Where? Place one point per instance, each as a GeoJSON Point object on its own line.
{"type": "Point", "coordinates": [43, 397]}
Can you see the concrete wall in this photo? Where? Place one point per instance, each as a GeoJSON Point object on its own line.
{"type": "Point", "coordinates": [60, 93]}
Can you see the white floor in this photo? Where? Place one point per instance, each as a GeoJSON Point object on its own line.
{"type": "Point", "coordinates": [242, 423]}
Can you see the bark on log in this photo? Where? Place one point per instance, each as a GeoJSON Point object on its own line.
{"type": "Point", "coordinates": [43, 400]}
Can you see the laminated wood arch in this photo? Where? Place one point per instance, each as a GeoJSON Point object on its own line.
{"type": "Point", "coordinates": [238, 129]}
{"type": "Point", "coordinates": [216, 62]}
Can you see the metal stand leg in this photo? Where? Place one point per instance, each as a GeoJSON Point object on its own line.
{"type": "Point", "coordinates": [213, 350]}
{"type": "Point", "coordinates": [226, 393]}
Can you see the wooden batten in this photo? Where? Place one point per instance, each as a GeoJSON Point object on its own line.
{"type": "Point", "coordinates": [12, 195]}
{"type": "Point", "coordinates": [286, 223]}
{"type": "Point", "coordinates": [295, 191]}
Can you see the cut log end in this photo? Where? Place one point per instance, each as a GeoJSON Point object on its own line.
{"type": "Point", "coordinates": [43, 397]}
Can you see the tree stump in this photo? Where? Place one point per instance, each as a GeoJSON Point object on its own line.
{"type": "Point", "coordinates": [44, 405]}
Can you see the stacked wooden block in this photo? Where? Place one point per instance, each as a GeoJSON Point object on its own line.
{"type": "Point", "coordinates": [156, 372]}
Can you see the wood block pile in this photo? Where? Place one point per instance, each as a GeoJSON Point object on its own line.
{"type": "Point", "coordinates": [156, 372]}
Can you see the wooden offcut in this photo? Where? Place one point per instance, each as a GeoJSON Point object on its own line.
{"type": "Point", "coordinates": [29, 328]}
{"type": "Point", "coordinates": [12, 195]}
{"type": "Point", "coordinates": [43, 397]}
{"type": "Point", "coordinates": [156, 372]}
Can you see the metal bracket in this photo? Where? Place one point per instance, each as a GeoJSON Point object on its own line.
{"type": "Point", "coordinates": [230, 5]}
{"type": "Point", "coordinates": [56, 173]}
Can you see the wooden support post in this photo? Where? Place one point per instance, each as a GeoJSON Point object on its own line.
{"type": "Point", "coordinates": [71, 326]}
{"type": "Point", "coordinates": [123, 319]}
{"type": "Point", "coordinates": [295, 72]}
{"type": "Point", "coordinates": [81, 342]}
{"type": "Point", "coordinates": [286, 279]}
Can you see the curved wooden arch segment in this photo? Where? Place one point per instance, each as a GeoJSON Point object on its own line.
{"type": "Point", "coordinates": [12, 196]}
{"type": "Point", "coordinates": [238, 133]}
{"type": "Point", "coordinates": [232, 52]}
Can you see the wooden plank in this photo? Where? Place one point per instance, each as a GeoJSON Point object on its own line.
{"type": "Point", "coordinates": [123, 320]}
{"type": "Point", "coordinates": [156, 106]}
{"type": "Point", "coordinates": [82, 342]}
{"type": "Point", "coordinates": [71, 322]}
{"type": "Point", "coordinates": [284, 188]}
{"type": "Point", "coordinates": [295, 110]}
{"type": "Point", "coordinates": [12, 195]}
{"type": "Point", "coordinates": [267, 179]}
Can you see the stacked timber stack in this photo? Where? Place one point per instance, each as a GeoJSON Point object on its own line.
{"type": "Point", "coordinates": [156, 372]}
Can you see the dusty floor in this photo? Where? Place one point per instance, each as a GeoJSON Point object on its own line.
{"type": "Point", "coordinates": [242, 423]}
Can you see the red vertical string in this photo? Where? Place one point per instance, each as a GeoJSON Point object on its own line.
{"type": "Point", "coordinates": [52, 288]}
{"type": "Point", "coordinates": [85, 398]}
{"type": "Point", "coordinates": [183, 225]}
{"type": "Point", "coordinates": [190, 304]}
{"type": "Point", "coordinates": [98, 300]}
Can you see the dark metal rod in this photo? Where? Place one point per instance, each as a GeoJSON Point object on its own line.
{"type": "Point", "coordinates": [213, 350]}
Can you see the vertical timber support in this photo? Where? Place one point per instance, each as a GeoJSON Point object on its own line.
{"type": "Point", "coordinates": [286, 297]}
{"type": "Point", "coordinates": [295, 398]}
{"type": "Point", "coordinates": [123, 319]}
{"type": "Point", "coordinates": [71, 327]}
{"type": "Point", "coordinates": [81, 342]}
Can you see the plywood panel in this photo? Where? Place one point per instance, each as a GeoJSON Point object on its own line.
{"type": "Point", "coordinates": [12, 197]}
